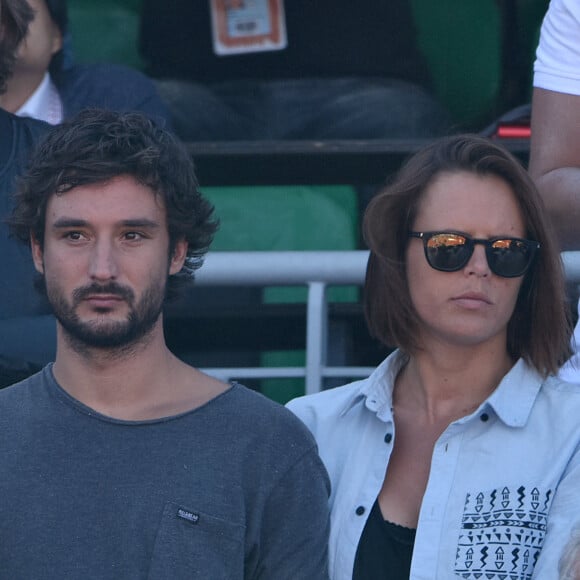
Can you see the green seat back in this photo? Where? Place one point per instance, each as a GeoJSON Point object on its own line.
{"type": "Point", "coordinates": [530, 14]}
{"type": "Point", "coordinates": [105, 31]}
{"type": "Point", "coordinates": [287, 218]}
{"type": "Point", "coordinates": [461, 40]}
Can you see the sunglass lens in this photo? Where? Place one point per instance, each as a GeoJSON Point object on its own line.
{"type": "Point", "coordinates": [447, 251]}
{"type": "Point", "coordinates": [509, 258]}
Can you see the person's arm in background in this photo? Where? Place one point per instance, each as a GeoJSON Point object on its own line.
{"type": "Point", "coordinates": [555, 159]}
{"type": "Point", "coordinates": [555, 143]}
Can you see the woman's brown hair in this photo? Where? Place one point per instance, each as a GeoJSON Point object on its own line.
{"type": "Point", "coordinates": [539, 330]}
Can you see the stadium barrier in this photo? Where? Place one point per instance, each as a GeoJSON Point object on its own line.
{"type": "Point", "coordinates": [316, 271]}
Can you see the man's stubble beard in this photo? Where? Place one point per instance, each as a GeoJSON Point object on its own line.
{"type": "Point", "coordinates": [116, 336]}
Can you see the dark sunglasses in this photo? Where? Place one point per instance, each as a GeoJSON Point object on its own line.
{"type": "Point", "coordinates": [450, 251]}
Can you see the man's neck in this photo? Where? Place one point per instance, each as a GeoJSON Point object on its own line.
{"type": "Point", "coordinates": [145, 382]}
{"type": "Point", "coordinates": [445, 383]}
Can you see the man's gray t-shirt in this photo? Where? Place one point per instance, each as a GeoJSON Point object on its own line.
{"type": "Point", "coordinates": [233, 489]}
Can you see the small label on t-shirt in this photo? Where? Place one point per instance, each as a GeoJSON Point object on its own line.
{"type": "Point", "coordinates": [244, 26]}
{"type": "Point", "coordinates": [187, 515]}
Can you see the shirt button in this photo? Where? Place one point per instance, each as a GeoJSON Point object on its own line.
{"type": "Point", "coordinates": [388, 437]}
{"type": "Point", "coordinates": [484, 417]}
{"type": "Point", "coordinates": [360, 510]}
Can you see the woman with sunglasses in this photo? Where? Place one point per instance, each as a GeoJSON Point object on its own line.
{"type": "Point", "coordinates": [459, 456]}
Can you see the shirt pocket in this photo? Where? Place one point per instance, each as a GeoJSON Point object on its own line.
{"type": "Point", "coordinates": [502, 531]}
{"type": "Point", "coordinates": [192, 544]}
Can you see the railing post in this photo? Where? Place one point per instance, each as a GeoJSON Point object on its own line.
{"type": "Point", "coordinates": [316, 336]}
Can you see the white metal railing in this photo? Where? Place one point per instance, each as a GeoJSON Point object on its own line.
{"type": "Point", "coordinates": [316, 271]}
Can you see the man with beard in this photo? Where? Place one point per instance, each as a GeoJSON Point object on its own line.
{"type": "Point", "coordinates": [26, 328]}
{"type": "Point", "coordinates": [119, 460]}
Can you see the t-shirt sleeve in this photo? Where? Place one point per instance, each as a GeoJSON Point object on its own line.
{"type": "Point", "coordinates": [294, 538]}
{"type": "Point", "coordinates": [557, 65]}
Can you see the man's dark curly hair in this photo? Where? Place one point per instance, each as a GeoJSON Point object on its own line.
{"type": "Point", "coordinates": [15, 16]}
{"type": "Point", "coordinates": [96, 146]}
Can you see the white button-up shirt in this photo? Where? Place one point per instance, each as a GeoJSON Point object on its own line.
{"type": "Point", "coordinates": [44, 103]}
{"type": "Point", "coordinates": [504, 486]}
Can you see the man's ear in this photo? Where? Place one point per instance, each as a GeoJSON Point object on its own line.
{"type": "Point", "coordinates": [37, 254]}
{"type": "Point", "coordinates": [178, 256]}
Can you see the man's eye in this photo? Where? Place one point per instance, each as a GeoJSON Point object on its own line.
{"type": "Point", "coordinates": [133, 236]}
{"type": "Point", "coordinates": [73, 236]}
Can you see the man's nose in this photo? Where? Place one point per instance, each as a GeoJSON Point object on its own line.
{"type": "Point", "coordinates": [103, 263]}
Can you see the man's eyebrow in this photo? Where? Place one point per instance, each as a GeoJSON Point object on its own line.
{"type": "Point", "coordinates": [65, 222]}
{"type": "Point", "coordinates": [69, 223]}
{"type": "Point", "coordinates": [141, 223]}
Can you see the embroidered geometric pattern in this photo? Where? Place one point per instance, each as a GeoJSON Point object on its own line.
{"type": "Point", "coordinates": [502, 532]}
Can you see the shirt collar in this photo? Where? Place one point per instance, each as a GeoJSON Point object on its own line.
{"type": "Point", "coordinates": [512, 400]}
{"type": "Point", "coordinates": [44, 103]}
{"type": "Point", "coordinates": [376, 392]}
{"type": "Point", "coordinates": [514, 397]}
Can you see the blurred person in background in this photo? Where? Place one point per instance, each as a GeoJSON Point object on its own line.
{"type": "Point", "coordinates": [23, 329]}
{"type": "Point", "coordinates": [555, 142]}
{"type": "Point", "coordinates": [570, 563]}
{"type": "Point", "coordinates": [47, 84]}
{"type": "Point", "coordinates": [295, 69]}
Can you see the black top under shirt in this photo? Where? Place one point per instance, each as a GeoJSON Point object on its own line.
{"type": "Point", "coordinates": [385, 549]}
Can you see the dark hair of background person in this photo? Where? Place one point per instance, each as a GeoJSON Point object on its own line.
{"type": "Point", "coordinates": [540, 328]}
{"type": "Point", "coordinates": [98, 145]}
{"type": "Point", "coordinates": [58, 10]}
{"type": "Point", "coordinates": [15, 16]}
